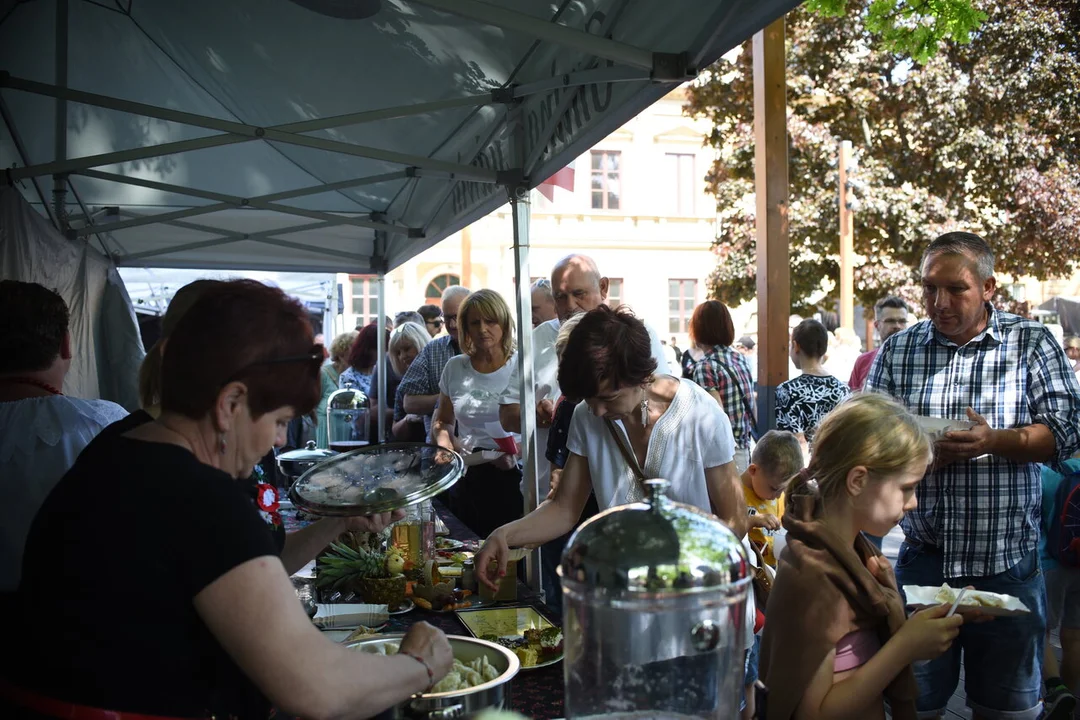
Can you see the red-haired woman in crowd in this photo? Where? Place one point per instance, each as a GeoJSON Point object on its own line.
{"type": "Point", "coordinates": [203, 621]}
{"type": "Point", "coordinates": [362, 358]}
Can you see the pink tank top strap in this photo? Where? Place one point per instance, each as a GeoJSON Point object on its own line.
{"type": "Point", "coordinates": [855, 649]}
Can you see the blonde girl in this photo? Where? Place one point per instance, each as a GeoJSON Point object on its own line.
{"type": "Point", "coordinates": [836, 641]}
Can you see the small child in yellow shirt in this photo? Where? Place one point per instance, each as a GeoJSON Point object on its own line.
{"type": "Point", "coordinates": [776, 459]}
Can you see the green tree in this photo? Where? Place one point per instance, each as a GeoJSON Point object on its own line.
{"type": "Point", "coordinates": [984, 136]}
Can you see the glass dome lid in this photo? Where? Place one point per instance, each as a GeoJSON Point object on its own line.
{"type": "Point", "coordinates": [653, 547]}
{"type": "Point", "coordinates": [376, 479]}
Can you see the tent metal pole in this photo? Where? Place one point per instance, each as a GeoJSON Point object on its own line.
{"type": "Point", "coordinates": [380, 361]}
{"type": "Point", "coordinates": [489, 14]}
{"type": "Point", "coordinates": [584, 77]}
{"type": "Point", "coordinates": [263, 200]}
{"type": "Point", "coordinates": [235, 133]}
{"type": "Point", "coordinates": [537, 151]}
{"type": "Point", "coordinates": [9, 122]}
{"type": "Point", "coordinates": [60, 121]}
{"type": "Point", "coordinates": [519, 203]}
{"type": "Point", "coordinates": [225, 237]}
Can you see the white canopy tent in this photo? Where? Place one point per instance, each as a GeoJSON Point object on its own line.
{"type": "Point", "coordinates": [327, 135]}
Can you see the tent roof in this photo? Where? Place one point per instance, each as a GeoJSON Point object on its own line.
{"type": "Point", "coordinates": [296, 135]}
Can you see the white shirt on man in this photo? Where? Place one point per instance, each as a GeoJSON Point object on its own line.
{"type": "Point", "coordinates": [475, 396]}
{"type": "Point", "coordinates": [41, 438]}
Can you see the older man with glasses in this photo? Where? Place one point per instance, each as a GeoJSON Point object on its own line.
{"type": "Point", "coordinates": [419, 389]}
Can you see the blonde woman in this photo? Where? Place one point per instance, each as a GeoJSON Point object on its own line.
{"type": "Point", "coordinates": [837, 642]}
{"type": "Point", "coordinates": [472, 383]}
{"type": "Point", "coordinates": [328, 379]}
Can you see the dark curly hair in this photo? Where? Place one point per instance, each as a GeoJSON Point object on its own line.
{"type": "Point", "coordinates": [607, 344]}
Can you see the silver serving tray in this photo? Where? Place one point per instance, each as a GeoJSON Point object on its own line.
{"type": "Point", "coordinates": [461, 703]}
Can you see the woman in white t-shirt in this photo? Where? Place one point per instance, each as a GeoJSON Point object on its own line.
{"type": "Point", "coordinates": [632, 425]}
{"type": "Point", "coordinates": [472, 383]}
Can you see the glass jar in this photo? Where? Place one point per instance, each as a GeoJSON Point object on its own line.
{"type": "Point", "coordinates": [414, 535]}
{"type": "Point", "coordinates": [655, 608]}
{"type": "Point", "coordinates": [347, 411]}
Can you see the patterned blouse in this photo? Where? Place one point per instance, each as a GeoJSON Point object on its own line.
{"type": "Point", "coordinates": [802, 402]}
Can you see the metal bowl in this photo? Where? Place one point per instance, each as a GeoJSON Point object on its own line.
{"type": "Point", "coordinates": [492, 695]}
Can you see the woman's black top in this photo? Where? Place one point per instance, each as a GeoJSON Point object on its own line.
{"type": "Point", "coordinates": [121, 547]}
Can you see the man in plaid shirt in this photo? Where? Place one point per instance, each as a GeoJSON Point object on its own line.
{"type": "Point", "coordinates": [977, 522]}
{"type": "Point", "coordinates": [418, 393]}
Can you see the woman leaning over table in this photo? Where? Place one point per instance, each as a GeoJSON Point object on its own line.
{"type": "Point", "coordinates": [632, 425]}
{"type": "Point", "coordinates": [202, 620]}
{"type": "Point", "coordinates": [329, 376]}
{"type": "Point", "coordinates": [489, 494]}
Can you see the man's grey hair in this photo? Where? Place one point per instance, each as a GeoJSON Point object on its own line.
{"type": "Point", "coordinates": [406, 316]}
{"type": "Point", "coordinates": [890, 302]}
{"type": "Point", "coordinates": [544, 285]}
{"type": "Point", "coordinates": [963, 243]}
{"type": "Point", "coordinates": [454, 292]}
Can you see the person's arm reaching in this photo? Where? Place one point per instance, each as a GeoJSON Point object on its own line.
{"type": "Point", "coordinates": [420, 404]}
{"type": "Point", "coordinates": [553, 518]}
{"type": "Point", "coordinates": [253, 613]}
{"type": "Point", "coordinates": [727, 498]}
{"type": "Point", "coordinates": [442, 425]}
{"type": "Point", "coordinates": [302, 546]}
{"type": "Point", "coordinates": [510, 417]}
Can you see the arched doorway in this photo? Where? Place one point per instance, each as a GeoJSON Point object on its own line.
{"type": "Point", "coordinates": [434, 291]}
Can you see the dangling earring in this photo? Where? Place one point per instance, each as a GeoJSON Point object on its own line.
{"type": "Point", "coordinates": [644, 407]}
{"type": "Point", "coordinates": [221, 443]}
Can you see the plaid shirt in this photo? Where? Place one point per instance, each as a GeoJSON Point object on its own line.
{"type": "Point", "coordinates": [422, 377]}
{"type": "Point", "coordinates": [984, 512]}
{"type": "Point", "coordinates": [726, 371]}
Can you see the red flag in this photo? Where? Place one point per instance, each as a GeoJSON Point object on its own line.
{"type": "Point", "coordinates": [563, 178]}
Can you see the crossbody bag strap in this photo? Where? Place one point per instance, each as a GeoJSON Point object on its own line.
{"type": "Point", "coordinates": [636, 491]}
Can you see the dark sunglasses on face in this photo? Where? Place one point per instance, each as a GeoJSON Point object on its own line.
{"type": "Point", "coordinates": [436, 323]}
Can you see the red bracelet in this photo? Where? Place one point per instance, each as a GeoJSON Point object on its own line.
{"type": "Point", "coordinates": [417, 658]}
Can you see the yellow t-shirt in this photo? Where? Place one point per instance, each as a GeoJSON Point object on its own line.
{"type": "Point", "coordinates": [761, 536]}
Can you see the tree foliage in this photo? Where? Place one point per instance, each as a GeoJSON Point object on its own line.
{"type": "Point", "coordinates": [984, 136]}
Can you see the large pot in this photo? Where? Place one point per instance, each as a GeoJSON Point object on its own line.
{"type": "Point", "coordinates": [295, 463]}
{"type": "Point", "coordinates": [492, 695]}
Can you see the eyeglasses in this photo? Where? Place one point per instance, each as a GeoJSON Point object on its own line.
{"type": "Point", "coordinates": [315, 357]}
{"type": "Point", "coordinates": [436, 323]}
{"type": "Point", "coordinates": [450, 319]}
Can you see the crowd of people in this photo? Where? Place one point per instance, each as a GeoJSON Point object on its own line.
{"type": "Point", "coordinates": [614, 407]}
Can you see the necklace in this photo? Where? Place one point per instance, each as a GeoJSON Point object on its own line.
{"type": "Point", "coordinates": [644, 408]}
{"type": "Point", "coordinates": [31, 381]}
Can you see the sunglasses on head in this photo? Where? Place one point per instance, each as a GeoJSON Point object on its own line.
{"type": "Point", "coordinates": [315, 356]}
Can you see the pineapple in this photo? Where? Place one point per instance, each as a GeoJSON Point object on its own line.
{"type": "Point", "coordinates": [363, 572]}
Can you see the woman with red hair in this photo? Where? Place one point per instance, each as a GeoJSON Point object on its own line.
{"type": "Point", "coordinates": [362, 358]}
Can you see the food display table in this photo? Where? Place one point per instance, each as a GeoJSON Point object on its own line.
{"type": "Point", "coordinates": [536, 693]}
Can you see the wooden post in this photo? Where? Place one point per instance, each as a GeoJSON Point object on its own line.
{"type": "Point", "coordinates": [771, 190]}
{"type": "Point", "coordinates": [466, 257]}
{"type": "Point", "coordinates": [847, 241]}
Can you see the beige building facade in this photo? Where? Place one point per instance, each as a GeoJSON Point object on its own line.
{"type": "Point", "coordinates": [639, 207]}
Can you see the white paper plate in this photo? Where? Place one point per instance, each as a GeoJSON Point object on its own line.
{"type": "Point", "coordinates": [937, 427]}
{"type": "Point", "coordinates": [922, 596]}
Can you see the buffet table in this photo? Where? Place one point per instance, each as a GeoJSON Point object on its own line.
{"type": "Point", "coordinates": [534, 693]}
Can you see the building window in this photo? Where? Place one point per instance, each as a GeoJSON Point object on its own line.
{"type": "Point", "coordinates": [681, 297]}
{"type": "Point", "coordinates": [680, 169]}
{"type": "Point", "coordinates": [606, 179]}
{"type": "Point", "coordinates": [364, 299]}
{"type": "Point", "coordinates": [433, 294]}
{"type": "Point", "coordinates": [615, 292]}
